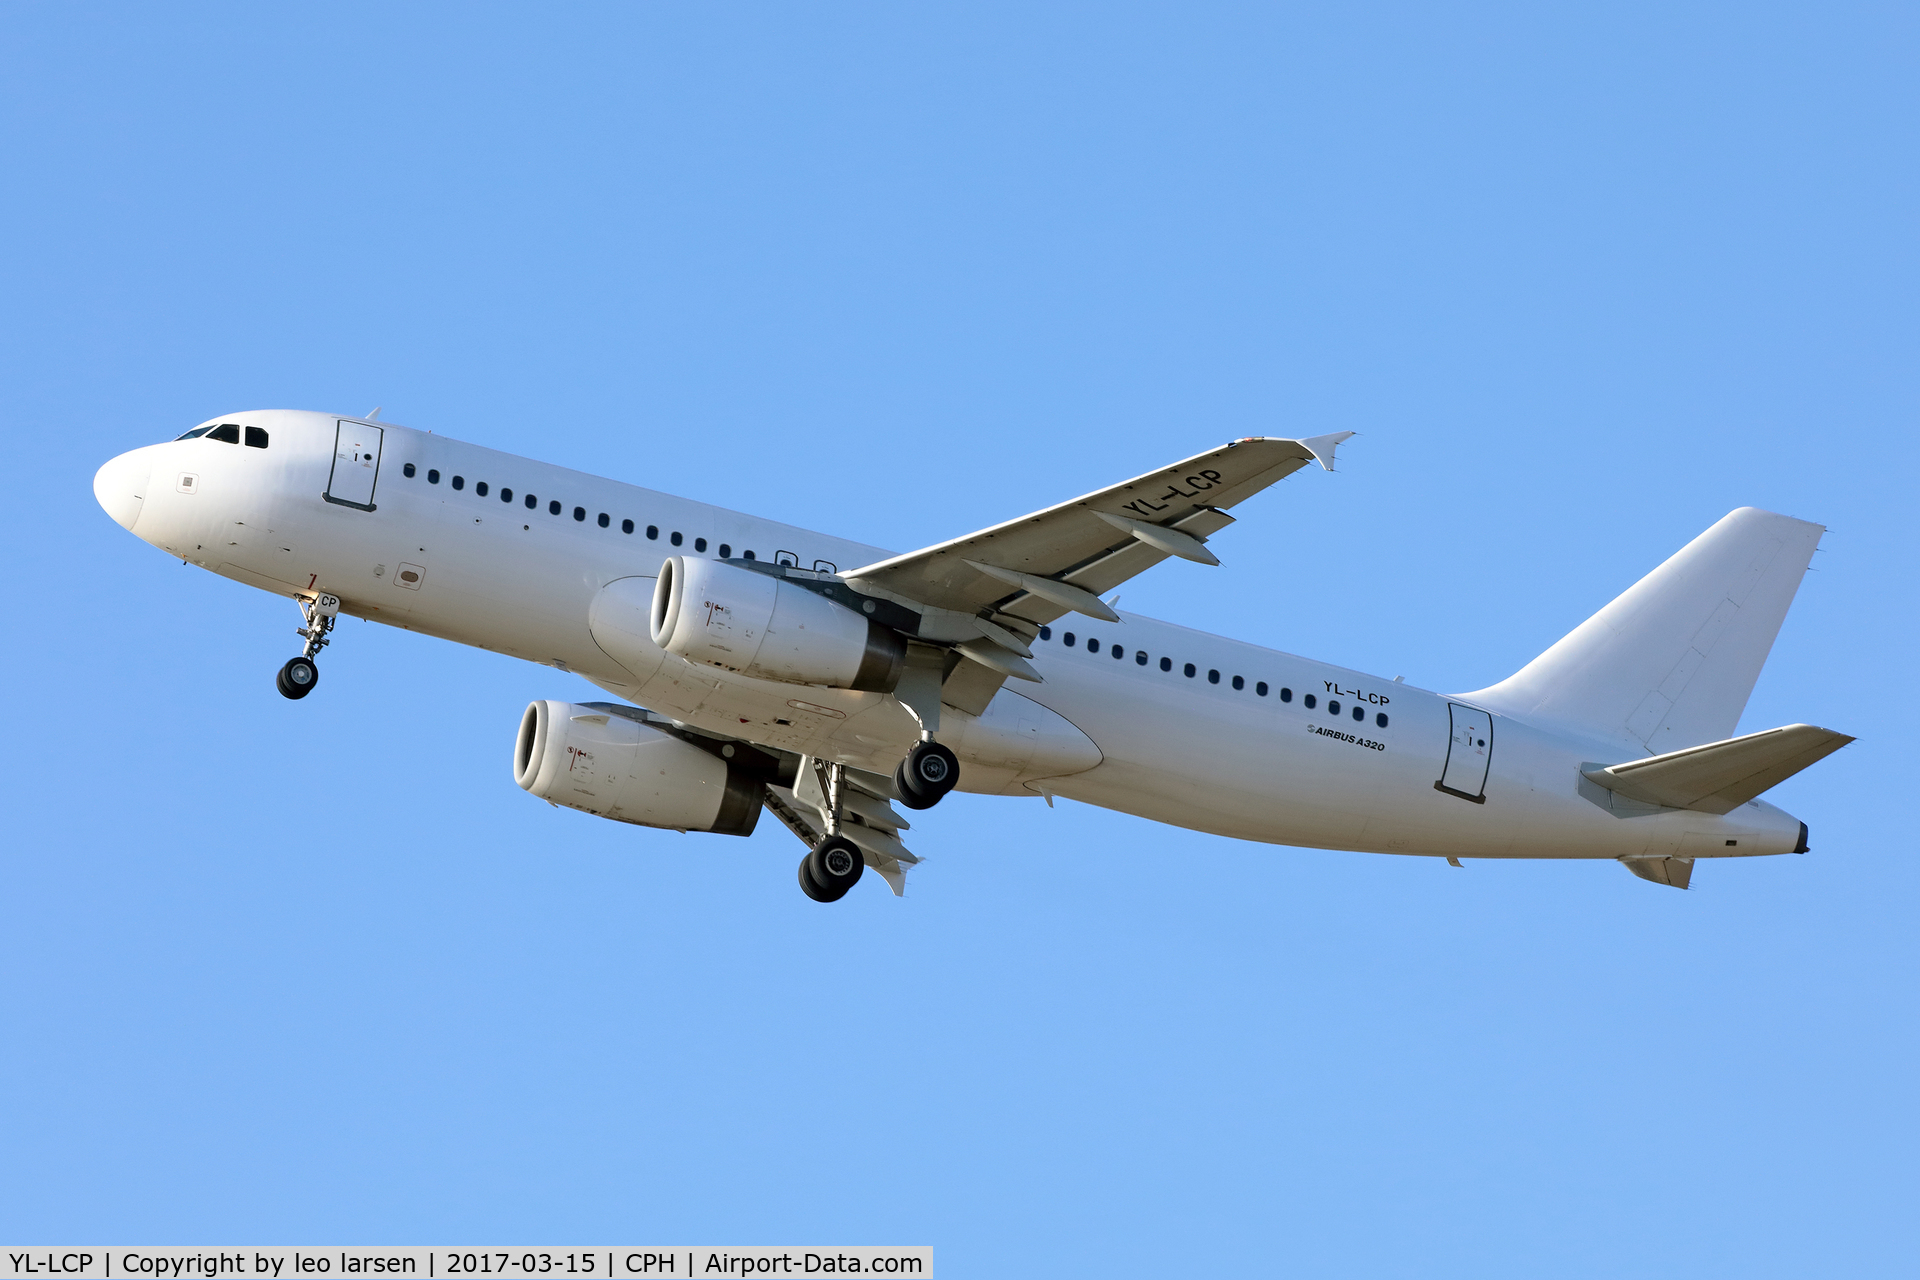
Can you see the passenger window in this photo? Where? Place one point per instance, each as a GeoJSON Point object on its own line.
{"type": "Point", "coordinates": [1213, 677]}
{"type": "Point", "coordinates": [674, 537]}
{"type": "Point", "coordinates": [407, 471]}
{"type": "Point", "coordinates": [433, 477]}
{"type": "Point", "coordinates": [579, 513]}
{"type": "Point", "coordinates": [1068, 640]}
{"type": "Point", "coordinates": [533, 503]}
{"type": "Point", "coordinates": [605, 520]}
{"type": "Point", "coordinates": [1381, 719]}
{"type": "Point", "coordinates": [626, 526]}
{"type": "Point", "coordinates": [1093, 646]}
{"type": "Point", "coordinates": [1286, 695]}
{"type": "Point", "coordinates": [1261, 688]}
{"type": "Point", "coordinates": [228, 432]}
{"type": "Point", "coordinates": [1308, 702]}
{"type": "Point", "coordinates": [1239, 683]}
{"type": "Point", "coordinates": [747, 554]}
{"type": "Point", "coordinates": [726, 552]}
{"type": "Point", "coordinates": [699, 544]}
{"type": "Point", "coordinates": [1359, 713]}
{"type": "Point", "coordinates": [1189, 670]}
{"type": "Point", "coordinates": [1333, 706]}
{"type": "Point", "coordinates": [1166, 664]}
{"type": "Point", "coordinates": [480, 487]}
{"type": "Point", "coordinates": [459, 482]}
{"type": "Point", "coordinates": [257, 439]}
{"type": "Point", "coordinates": [1140, 658]}
{"type": "Point", "coordinates": [825, 566]}
{"type": "Point", "coordinates": [506, 495]}
{"type": "Point", "coordinates": [786, 558]}
{"type": "Point", "coordinates": [1046, 633]}
{"type": "Point", "coordinates": [653, 532]}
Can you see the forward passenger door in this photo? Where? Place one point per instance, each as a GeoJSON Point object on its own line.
{"type": "Point", "coordinates": [356, 464]}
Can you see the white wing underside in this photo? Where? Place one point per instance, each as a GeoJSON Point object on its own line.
{"type": "Point", "coordinates": [988, 593]}
{"type": "Point", "coordinates": [1096, 542]}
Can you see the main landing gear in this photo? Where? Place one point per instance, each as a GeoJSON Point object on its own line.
{"type": "Point", "coordinates": [926, 775]}
{"type": "Point", "coordinates": [297, 678]}
{"type": "Point", "coordinates": [836, 864]}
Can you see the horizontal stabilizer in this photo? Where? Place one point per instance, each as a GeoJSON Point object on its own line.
{"type": "Point", "coordinates": [1677, 872]}
{"type": "Point", "coordinates": [1720, 776]}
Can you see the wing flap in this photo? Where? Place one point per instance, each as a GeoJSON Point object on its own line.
{"type": "Point", "coordinates": [1676, 873]}
{"type": "Point", "coordinates": [1719, 777]}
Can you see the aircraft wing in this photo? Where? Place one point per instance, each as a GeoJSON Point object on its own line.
{"type": "Point", "coordinates": [1060, 560]}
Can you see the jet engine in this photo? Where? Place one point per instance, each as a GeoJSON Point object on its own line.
{"type": "Point", "coordinates": [761, 625]}
{"type": "Point", "coordinates": [615, 767]}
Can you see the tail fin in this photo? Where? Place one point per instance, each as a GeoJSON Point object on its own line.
{"type": "Point", "coordinates": [1671, 662]}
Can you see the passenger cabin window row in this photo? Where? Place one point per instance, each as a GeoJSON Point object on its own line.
{"type": "Point", "coordinates": [532, 503]}
{"type": "Point", "coordinates": [1190, 671]}
{"type": "Point", "coordinates": [229, 433]}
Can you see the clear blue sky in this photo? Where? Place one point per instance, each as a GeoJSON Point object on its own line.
{"type": "Point", "coordinates": [1584, 279]}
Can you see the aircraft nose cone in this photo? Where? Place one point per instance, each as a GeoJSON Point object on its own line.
{"type": "Point", "coordinates": [121, 486]}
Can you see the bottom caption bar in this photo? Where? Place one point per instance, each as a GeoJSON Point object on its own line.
{"type": "Point", "coordinates": [680, 1262]}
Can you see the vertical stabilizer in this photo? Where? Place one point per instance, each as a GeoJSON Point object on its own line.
{"type": "Point", "coordinates": [1671, 662]}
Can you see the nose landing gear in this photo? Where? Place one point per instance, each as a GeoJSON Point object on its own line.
{"type": "Point", "coordinates": [297, 678]}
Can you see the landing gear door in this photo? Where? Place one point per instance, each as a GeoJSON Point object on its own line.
{"type": "Point", "coordinates": [356, 464]}
{"type": "Point", "coordinates": [1469, 750]}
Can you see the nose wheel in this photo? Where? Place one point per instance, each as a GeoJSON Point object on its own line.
{"type": "Point", "coordinates": [298, 677]}
{"type": "Point", "coordinates": [926, 775]}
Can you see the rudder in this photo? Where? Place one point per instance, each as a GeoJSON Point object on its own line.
{"type": "Point", "coordinates": [1671, 662]}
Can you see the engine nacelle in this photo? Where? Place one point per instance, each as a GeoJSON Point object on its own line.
{"type": "Point", "coordinates": [614, 767]}
{"type": "Point", "coordinates": [759, 625]}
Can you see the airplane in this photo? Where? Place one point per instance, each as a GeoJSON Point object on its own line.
{"type": "Point", "coordinates": [763, 667]}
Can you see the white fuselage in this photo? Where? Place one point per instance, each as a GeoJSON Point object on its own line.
{"type": "Point", "coordinates": [1108, 731]}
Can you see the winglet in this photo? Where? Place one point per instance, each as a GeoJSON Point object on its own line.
{"type": "Point", "coordinates": [1322, 447]}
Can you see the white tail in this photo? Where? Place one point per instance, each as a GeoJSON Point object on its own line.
{"type": "Point", "coordinates": [1671, 662]}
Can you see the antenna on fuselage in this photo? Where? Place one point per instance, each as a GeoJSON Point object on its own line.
{"type": "Point", "coordinates": [375, 415]}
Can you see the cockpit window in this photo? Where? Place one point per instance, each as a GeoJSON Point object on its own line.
{"type": "Point", "coordinates": [194, 434]}
{"type": "Point", "coordinates": [256, 437]}
{"type": "Point", "coordinates": [227, 431]}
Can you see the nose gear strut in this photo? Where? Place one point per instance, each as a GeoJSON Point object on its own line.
{"type": "Point", "coordinates": [298, 677]}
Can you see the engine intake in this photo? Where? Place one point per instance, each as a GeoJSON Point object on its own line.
{"type": "Point", "coordinates": [614, 767]}
{"type": "Point", "coordinates": [760, 625]}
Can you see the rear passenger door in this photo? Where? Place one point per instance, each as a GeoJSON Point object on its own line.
{"type": "Point", "coordinates": [356, 464]}
{"type": "Point", "coordinates": [1469, 751]}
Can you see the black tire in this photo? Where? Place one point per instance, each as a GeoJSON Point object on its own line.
{"type": "Point", "coordinates": [836, 865]}
{"type": "Point", "coordinates": [926, 775]}
{"type": "Point", "coordinates": [811, 887]}
{"type": "Point", "coordinates": [909, 797]}
{"type": "Point", "coordinates": [297, 678]}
